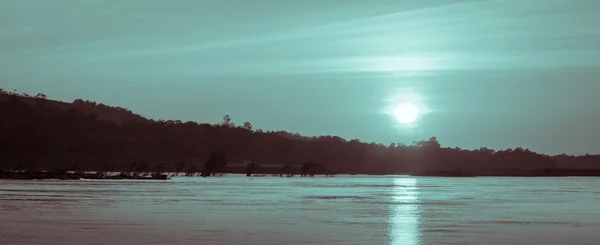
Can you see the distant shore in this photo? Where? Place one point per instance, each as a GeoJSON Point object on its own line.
{"type": "Point", "coordinates": [64, 175]}
{"type": "Point", "coordinates": [45, 134]}
{"type": "Point", "coordinates": [515, 173]}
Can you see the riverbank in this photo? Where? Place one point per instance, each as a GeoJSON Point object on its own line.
{"type": "Point", "coordinates": [514, 173]}
{"type": "Point", "coordinates": [64, 175]}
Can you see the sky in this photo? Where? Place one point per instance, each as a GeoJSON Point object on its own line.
{"type": "Point", "coordinates": [484, 73]}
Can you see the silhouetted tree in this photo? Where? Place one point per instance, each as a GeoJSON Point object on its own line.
{"type": "Point", "coordinates": [215, 165]}
{"type": "Point", "coordinates": [140, 168]}
{"type": "Point", "coordinates": [287, 170]}
{"type": "Point", "coordinates": [227, 121]}
{"type": "Point", "coordinates": [251, 168]}
{"type": "Point", "coordinates": [41, 96]}
{"type": "Point", "coordinates": [192, 170]}
{"type": "Point", "coordinates": [179, 167]}
{"type": "Point", "coordinates": [160, 169]}
{"type": "Point", "coordinates": [308, 169]}
{"type": "Point", "coordinates": [247, 126]}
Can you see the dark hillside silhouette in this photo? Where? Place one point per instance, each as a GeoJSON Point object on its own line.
{"type": "Point", "coordinates": [37, 133]}
{"type": "Point", "coordinates": [100, 111]}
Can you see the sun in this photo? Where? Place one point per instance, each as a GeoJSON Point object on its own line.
{"type": "Point", "coordinates": [406, 113]}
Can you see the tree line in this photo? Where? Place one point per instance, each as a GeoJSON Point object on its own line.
{"type": "Point", "coordinates": [38, 133]}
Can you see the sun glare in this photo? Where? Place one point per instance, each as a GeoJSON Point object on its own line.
{"type": "Point", "coordinates": [406, 113]}
{"type": "Point", "coordinates": [404, 63]}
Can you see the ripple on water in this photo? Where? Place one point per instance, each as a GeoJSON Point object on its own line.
{"type": "Point", "coordinates": [342, 210]}
{"type": "Point", "coordinates": [336, 197]}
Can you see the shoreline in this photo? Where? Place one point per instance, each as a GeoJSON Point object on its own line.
{"type": "Point", "coordinates": [63, 175]}
{"type": "Point", "coordinates": [514, 173]}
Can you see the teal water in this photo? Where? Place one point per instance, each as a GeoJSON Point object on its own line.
{"type": "Point", "coordinates": [270, 210]}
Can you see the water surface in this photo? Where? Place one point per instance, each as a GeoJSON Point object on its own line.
{"type": "Point", "coordinates": [269, 210]}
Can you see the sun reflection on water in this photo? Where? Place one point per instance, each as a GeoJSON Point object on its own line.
{"type": "Point", "coordinates": [404, 213]}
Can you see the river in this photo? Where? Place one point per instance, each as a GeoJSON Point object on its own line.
{"type": "Point", "coordinates": [345, 210]}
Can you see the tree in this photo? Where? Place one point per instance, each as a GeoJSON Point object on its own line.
{"type": "Point", "coordinates": [192, 170]}
{"type": "Point", "coordinates": [160, 168]}
{"type": "Point", "coordinates": [141, 168]}
{"type": "Point", "coordinates": [308, 169]}
{"type": "Point", "coordinates": [179, 167]}
{"type": "Point", "coordinates": [41, 96]}
{"type": "Point", "coordinates": [227, 121]}
{"type": "Point", "coordinates": [287, 170]}
{"type": "Point", "coordinates": [432, 143]}
{"type": "Point", "coordinates": [251, 168]}
{"type": "Point", "coordinates": [215, 164]}
{"type": "Point", "coordinates": [247, 125]}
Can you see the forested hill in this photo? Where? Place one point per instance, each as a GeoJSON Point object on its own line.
{"type": "Point", "coordinates": [39, 133]}
{"type": "Point", "coordinates": [102, 112]}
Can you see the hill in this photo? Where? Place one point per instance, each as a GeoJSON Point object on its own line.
{"type": "Point", "coordinates": [100, 111]}
{"type": "Point", "coordinates": [39, 133]}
